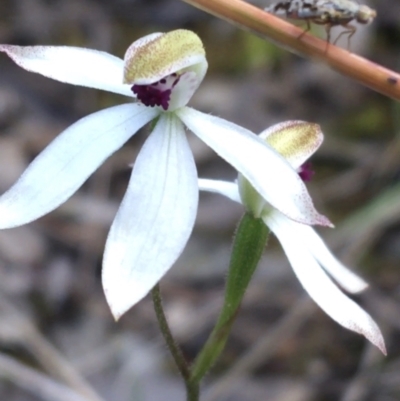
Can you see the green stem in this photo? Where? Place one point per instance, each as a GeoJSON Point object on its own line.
{"type": "Point", "coordinates": [248, 246]}
{"type": "Point", "coordinates": [192, 389]}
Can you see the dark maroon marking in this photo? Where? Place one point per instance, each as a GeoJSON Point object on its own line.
{"type": "Point", "coordinates": [158, 93]}
{"type": "Point", "coordinates": [306, 172]}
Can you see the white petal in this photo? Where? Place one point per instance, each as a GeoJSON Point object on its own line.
{"type": "Point", "coordinates": [267, 171]}
{"type": "Point", "coordinates": [155, 219]}
{"type": "Point", "coordinates": [310, 239]}
{"type": "Point", "coordinates": [68, 161]}
{"type": "Point", "coordinates": [320, 287]}
{"type": "Point", "coordinates": [183, 90]}
{"type": "Point", "coordinates": [225, 188]}
{"type": "Point", "coordinates": [72, 65]}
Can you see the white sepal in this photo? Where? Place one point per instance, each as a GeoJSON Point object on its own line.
{"type": "Point", "coordinates": [320, 287]}
{"type": "Point", "coordinates": [72, 65]}
{"type": "Point", "coordinates": [270, 174]}
{"type": "Point", "coordinates": [65, 164]}
{"type": "Point", "coordinates": [155, 218]}
{"type": "Point", "coordinates": [348, 280]}
{"type": "Point", "coordinates": [225, 188]}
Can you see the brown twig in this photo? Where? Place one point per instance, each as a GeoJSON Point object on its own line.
{"type": "Point", "coordinates": [289, 36]}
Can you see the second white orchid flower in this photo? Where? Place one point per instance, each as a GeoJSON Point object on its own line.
{"type": "Point", "coordinates": [309, 257]}
{"type": "Point", "coordinates": [161, 72]}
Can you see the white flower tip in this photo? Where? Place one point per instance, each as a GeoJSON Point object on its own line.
{"type": "Point", "coordinates": [14, 213]}
{"type": "Point", "coordinates": [121, 290]}
{"type": "Point", "coordinates": [326, 222]}
{"type": "Point", "coordinates": [376, 339]}
{"type": "Point", "coordinates": [6, 48]}
{"type": "Point", "coordinates": [120, 299]}
{"type": "Point", "coordinates": [319, 220]}
{"type": "Point", "coordinates": [370, 330]}
{"type": "Point", "coordinates": [116, 315]}
{"type": "Point", "coordinates": [116, 310]}
{"type": "Point", "coordinates": [14, 52]}
{"type": "Point", "coordinates": [381, 346]}
{"type": "Point", "coordinates": [357, 286]}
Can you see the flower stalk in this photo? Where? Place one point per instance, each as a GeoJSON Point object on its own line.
{"type": "Point", "coordinates": [249, 243]}
{"type": "Point", "coordinates": [192, 388]}
{"type": "Point", "coordinates": [172, 345]}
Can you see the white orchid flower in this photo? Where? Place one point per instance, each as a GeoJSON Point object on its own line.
{"type": "Point", "coordinates": [160, 72]}
{"type": "Point", "coordinates": [308, 255]}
